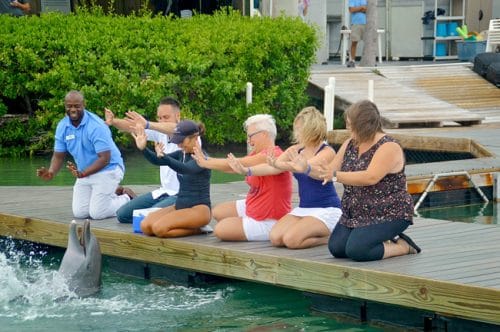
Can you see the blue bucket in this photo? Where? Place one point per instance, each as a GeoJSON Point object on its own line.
{"type": "Point", "coordinates": [452, 28]}
{"type": "Point", "coordinates": [440, 49]}
{"type": "Point", "coordinates": [441, 30]}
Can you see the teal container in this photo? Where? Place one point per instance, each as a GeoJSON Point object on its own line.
{"type": "Point", "coordinates": [467, 50]}
{"type": "Point", "coordinates": [441, 49]}
{"type": "Point", "coordinates": [441, 30]}
{"type": "Point", "coordinates": [452, 29]}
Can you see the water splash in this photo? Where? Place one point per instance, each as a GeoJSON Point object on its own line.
{"type": "Point", "coordinates": [34, 291]}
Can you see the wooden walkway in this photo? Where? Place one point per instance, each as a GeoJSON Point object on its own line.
{"type": "Point", "coordinates": [456, 275]}
{"type": "Point", "coordinates": [429, 95]}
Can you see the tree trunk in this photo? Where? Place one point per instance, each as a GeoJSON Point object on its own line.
{"type": "Point", "coordinates": [370, 37]}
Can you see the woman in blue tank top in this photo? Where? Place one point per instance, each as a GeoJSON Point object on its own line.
{"type": "Point", "coordinates": [311, 223]}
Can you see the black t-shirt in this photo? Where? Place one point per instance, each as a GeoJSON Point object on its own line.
{"type": "Point", "coordinates": [194, 181]}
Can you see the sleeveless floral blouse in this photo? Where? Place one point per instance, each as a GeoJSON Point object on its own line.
{"type": "Point", "coordinates": [388, 200]}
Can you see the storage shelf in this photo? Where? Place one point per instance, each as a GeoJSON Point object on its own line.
{"type": "Point", "coordinates": [444, 47]}
{"type": "Point", "coordinates": [450, 18]}
{"type": "Point", "coordinates": [446, 57]}
{"type": "Point", "coordinates": [437, 38]}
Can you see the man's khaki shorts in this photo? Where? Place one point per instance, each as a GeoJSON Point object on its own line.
{"type": "Point", "coordinates": [357, 32]}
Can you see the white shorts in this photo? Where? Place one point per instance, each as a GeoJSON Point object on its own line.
{"type": "Point", "coordinates": [329, 216]}
{"type": "Point", "coordinates": [254, 230]}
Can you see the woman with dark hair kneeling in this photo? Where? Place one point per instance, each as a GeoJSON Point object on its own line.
{"type": "Point", "coordinates": [376, 207]}
{"type": "Point", "coordinates": [192, 208]}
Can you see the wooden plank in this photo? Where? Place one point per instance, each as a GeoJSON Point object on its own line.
{"type": "Point", "coordinates": [424, 281]}
{"type": "Point", "coordinates": [398, 101]}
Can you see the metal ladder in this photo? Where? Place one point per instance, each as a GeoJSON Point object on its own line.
{"type": "Point", "coordinates": [440, 175]}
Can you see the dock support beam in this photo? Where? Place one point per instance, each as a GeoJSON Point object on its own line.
{"type": "Point", "coordinates": [496, 187]}
{"type": "Point", "coordinates": [440, 175]}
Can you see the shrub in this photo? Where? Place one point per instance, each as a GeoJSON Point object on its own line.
{"type": "Point", "coordinates": [129, 63]}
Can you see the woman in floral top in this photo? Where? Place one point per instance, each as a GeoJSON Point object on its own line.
{"type": "Point", "coordinates": [376, 207]}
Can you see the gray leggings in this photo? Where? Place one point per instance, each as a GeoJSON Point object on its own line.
{"type": "Point", "coordinates": [364, 243]}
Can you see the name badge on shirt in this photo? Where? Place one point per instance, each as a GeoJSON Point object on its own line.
{"type": "Point", "coordinates": [70, 137]}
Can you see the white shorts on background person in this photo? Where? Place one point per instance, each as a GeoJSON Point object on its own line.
{"type": "Point", "coordinates": [254, 230]}
{"type": "Point", "coordinates": [329, 216]}
{"type": "Point", "coordinates": [94, 195]}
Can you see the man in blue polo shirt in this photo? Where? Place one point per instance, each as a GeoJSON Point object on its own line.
{"type": "Point", "coordinates": [357, 8]}
{"type": "Point", "coordinates": [14, 7]}
{"type": "Point", "coordinates": [99, 166]}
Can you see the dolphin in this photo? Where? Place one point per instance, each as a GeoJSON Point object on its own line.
{"type": "Point", "coordinates": [81, 263]}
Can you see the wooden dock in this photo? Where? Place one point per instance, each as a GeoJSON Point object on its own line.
{"type": "Point", "coordinates": [456, 275]}
{"type": "Point", "coordinates": [423, 95]}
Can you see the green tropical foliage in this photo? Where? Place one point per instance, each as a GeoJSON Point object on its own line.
{"type": "Point", "coordinates": [130, 62]}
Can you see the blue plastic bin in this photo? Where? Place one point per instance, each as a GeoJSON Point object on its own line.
{"type": "Point", "coordinates": [467, 50]}
{"type": "Point", "coordinates": [441, 30]}
{"type": "Point", "coordinates": [441, 49]}
{"type": "Point", "coordinates": [452, 28]}
{"type": "Point", "coordinates": [138, 216]}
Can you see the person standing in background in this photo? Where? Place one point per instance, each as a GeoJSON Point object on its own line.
{"type": "Point", "coordinates": [357, 8]}
{"type": "Point", "coordinates": [15, 7]}
{"type": "Point", "coordinates": [302, 7]}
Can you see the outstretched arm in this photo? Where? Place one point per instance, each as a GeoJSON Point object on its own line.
{"type": "Point", "coordinates": [259, 170]}
{"type": "Point", "coordinates": [222, 164]}
{"type": "Point", "coordinates": [120, 124]}
{"type": "Point", "coordinates": [389, 158]}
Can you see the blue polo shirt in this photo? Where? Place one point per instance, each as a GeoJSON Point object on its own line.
{"type": "Point", "coordinates": [359, 17]}
{"type": "Point", "coordinates": [85, 141]}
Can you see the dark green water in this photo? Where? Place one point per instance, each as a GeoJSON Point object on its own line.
{"type": "Point", "coordinates": [138, 171]}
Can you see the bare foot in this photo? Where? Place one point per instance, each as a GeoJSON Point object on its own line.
{"type": "Point", "coordinates": [129, 192]}
{"type": "Point", "coordinates": [119, 190]}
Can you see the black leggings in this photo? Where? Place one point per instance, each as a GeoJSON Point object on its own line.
{"type": "Point", "coordinates": [364, 243]}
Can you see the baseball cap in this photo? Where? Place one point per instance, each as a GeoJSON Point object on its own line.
{"type": "Point", "coordinates": [184, 129]}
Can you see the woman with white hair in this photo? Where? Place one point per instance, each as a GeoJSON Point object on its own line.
{"type": "Point", "coordinates": [311, 223]}
{"type": "Point", "coordinates": [269, 197]}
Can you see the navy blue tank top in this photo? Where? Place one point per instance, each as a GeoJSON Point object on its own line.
{"type": "Point", "coordinates": [312, 192]}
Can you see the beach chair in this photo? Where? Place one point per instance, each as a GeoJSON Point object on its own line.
{"type": "Point", "coordinates": [493, 35]}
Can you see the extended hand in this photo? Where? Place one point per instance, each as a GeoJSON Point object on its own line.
{"type": "Point", "coordinates": [199, 157]}
{"type": "Point", "coordinates": [74, 170]}
{"type": "Point", "coordinates": [235, 164]}
{"type": "Point", "coordinates": [140, 137]}
{"type": "Point", "coordinates": [297, 162]}
{"type": "Point", "coordinates": [325, 172]}
{"type": "Point", "coordinates": [136, 119]}
{"type": "Point", "coordinates": [271, 158]}
{"type": "Point", "coordinates": [109, 116]}
{"type": "Point", "coordinates": [159, 148]}
{"type": "Point", "coordinates": [44, 173]}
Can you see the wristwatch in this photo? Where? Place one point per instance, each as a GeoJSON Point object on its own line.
{"type": "Point", "coordinates": [334, 177]}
